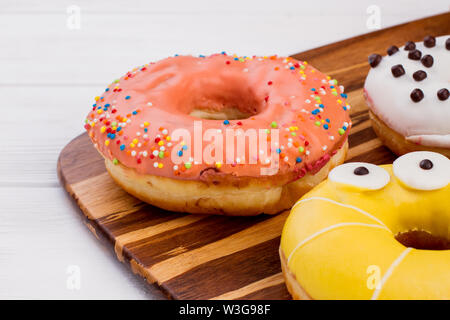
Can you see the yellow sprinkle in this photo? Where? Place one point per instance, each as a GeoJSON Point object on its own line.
{"type": "Point", "coordinates": [146, 124]}
{"type": "Point", "coordinates": [135, 141]}
{"type": "Point", "coordinates": [103, 129]}
{"type": "Point", "coordinates": [161, 143]}
{"type": "Point", "coordinates": [132, 145]}
{"type": "Point", "coordinates": [99, 111]}
{"type": "Point", "coordinates": [106, 142]}
{"type": "Point", "coordinates": [97, 98]}
{"type": "Point", "coordinates": [168, 138]}
{"type": "Point", "coordinates": [160, 165]}
{"type": "Point", "coordinates": [218, 165]}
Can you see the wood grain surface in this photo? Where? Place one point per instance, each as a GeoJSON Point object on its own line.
{"type": "Point", "coordinates": [216, 257]}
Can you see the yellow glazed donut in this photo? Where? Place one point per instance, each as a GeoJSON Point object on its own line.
{"type": "Point", "coordinates": [372, 232]}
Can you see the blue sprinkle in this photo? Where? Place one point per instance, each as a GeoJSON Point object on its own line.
{"type": "Point", "coordinates": [107, 105]}
{"type": "Point", "coordinates": [313, 89]}
{"type": "Point", "coordinates": [107, 89]}
{"type": "Point", "coordinates": [223, 52]}
{"type": "Point", "coordinates": [292, 68]}
{"type": "Point", "coordinates": [325, 126]}
{"type": "Point", "coordinates": [118, 129]}
{"type": "Point", "coordinates": [315, 111]}
{"type": "Point", "coordinates": [122, 147]}
{"type": "Point", "coordinates": [327, 120]}
{"type": "Point", "coordinates": [298, 160]}
{"type": "Point", "coordinates": [127, 97]}
{"type": "Point", "coordinates": [321, 105]}
{"type": "Point", "coordinates": [180, 153]}
{"type": "Point", "coordinates": [345, 108]}
{"type": "Point", "coordinates": [344, 127]}
{"type": "Point", "coordinates": [226, 122]}
{"type": "Point", "coordinates": [185, 147]}
{"type": "Point", "coordinates": [278, 150]}
{"type": "Point", "coordinates": [343, 95]}
{"type": "Point", "coordinates": [94, 105]}
{"type": "Point", "coordinates": [331, 87]}
{"type": "Point", "coordinates": [134, 112]}
{"type": "Point", "coordinates": [236, 59]}
{"type": "Point", "coordinates": [146, 130]}
{"type": "Point", "coordinates": [112, 135]}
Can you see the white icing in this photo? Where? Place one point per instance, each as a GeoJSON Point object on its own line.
{"type": "Point", "coordinates": [407, 169]}
{"type": "Point", "coordinates": [442, 141]}
{"type": "Point", "coordinates": [376, 179]}
{"type": "Point", "coordinates": [427, 121]}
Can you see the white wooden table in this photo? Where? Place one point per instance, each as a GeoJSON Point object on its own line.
{"type": "Point", "coordinates": [51, 70]}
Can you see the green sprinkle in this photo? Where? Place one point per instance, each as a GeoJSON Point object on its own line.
{"type": "Point", "coordinates": [341, 131]}
{"type": "Point", "coordinates": [317, 123]}
{"type": "Point", "coordinates": [187, 165]}
{"type": "Point", "coordinates": [268, 131]}
{"type": "Point", "coordinates": [301, 149]}
{"type": "Point", "coordinates": [115, 161]}
{"type": "Point", "coordinates": [161, 154]}
{"type": "Point", "coordinates": [293, 133]}
{"type": "Point", "coordinates": [274, 124]}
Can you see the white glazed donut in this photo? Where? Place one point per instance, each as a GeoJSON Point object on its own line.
{"type": "Point", "coordinates": [412, 100]}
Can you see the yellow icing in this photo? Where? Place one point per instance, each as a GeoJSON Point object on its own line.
{"type": "Point", "coordinates": [352, 258]}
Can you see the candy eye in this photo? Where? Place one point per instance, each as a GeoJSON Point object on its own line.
{"type": "Point", "coordinates": [423, 170]}
{"type": "Point", "coordinates": [360, 174]}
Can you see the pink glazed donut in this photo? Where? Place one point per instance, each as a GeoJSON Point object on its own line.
{"type": "Point", "coordinates": [162, 129]}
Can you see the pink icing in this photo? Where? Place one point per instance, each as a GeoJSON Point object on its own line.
{"type": "Point", "coordinates": [132, 122]}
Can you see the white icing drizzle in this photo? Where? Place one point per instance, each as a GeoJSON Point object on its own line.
{"type": "Point", "coordinates": [332, 227]}
{"type": "Point", "coordinates": [388, 273]}
{"type": "Point", "coordinates": [425, 122]}
{"type": "Point", "coordinates": [342, 205]}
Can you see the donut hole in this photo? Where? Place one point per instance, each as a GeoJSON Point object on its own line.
{"type": "Point", "coordinates": [229, 113]}
{"type": "Point", "coordinates": [423, 240]}
{"type": "Point", "coordinates": [224, 97]}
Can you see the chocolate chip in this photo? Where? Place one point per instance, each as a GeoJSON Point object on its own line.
{"type": "Point", "coordinates": [397, 70]}
{"type": "Point", "coordinates": [426, 164]}
{"type": "Point", "coordinates": [374, 60]}
{"type": "Point", "coordinates": [443, 94]}
{"type": "Point", "coordinates": [447, 44]}
{"type": "Point", "coordinates": [391, 50]}
{"type": "Point", "coordinates": [410, 46]}
{"type": "Point", "coordinates": [427, 60]}
{"type": "Point", "coordinates": [419, 75]}
{"type": "Point", "coordinates": [361, 171]}
{"type": "Point", "coordinates": [414, 54]}
{"type": "Point", "coordinates": [416, 95]}
{"type": "Point", "coordinates": [429, 41]}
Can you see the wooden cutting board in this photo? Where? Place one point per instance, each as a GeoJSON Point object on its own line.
{"type": "Point", "coordinates": [206, 257]}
